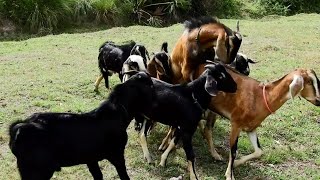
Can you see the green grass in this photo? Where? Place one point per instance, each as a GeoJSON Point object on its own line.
{"type": "Point", "coordinates": [57, 73]}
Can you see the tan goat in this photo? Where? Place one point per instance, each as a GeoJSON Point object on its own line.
{"type": "Point", "coordinates": [254, 101]}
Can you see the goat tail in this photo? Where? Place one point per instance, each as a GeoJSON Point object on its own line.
{"type": "Point", "coordinates": [19, 132]}
{"type": "Point", "coordinates": [164, 47]}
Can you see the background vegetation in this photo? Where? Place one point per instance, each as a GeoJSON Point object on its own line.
{"type": "Point", "coordinates": [57, 73]}
{"type": "Point", "coordinates": [51, 16]}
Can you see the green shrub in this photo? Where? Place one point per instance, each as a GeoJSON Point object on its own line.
{"type": "Point", "coordinates": [37, 15]}
{"type": "Point", "coordinates": [274, 7]}
{"type": "Point", "coordinates": [82, 10]}
{"type": "Point", "coordinates": [290, 7]}
{"type": "Point", "coordinates": [124, 12]}
{"type": "Point", "coordinates": [104, 10]}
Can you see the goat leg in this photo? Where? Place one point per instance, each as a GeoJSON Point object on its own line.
{"type": "Point", "coordinates": [165, 142]}
{"type": "Point", "coordinates": [95, 170]}
{"type": "Point", "coordinates": [143, 142]}
{"type": "Point", "coordinates": [187, 146]}
{"type": "Point", "coordinates": [257, 149]}
{"type": "Point", "coordinates": [232, 156]}
{"type": "Point", "coordinates": [211, 119]}
{"type": "Point", "coordinates": [221, 50]}
{"type": "Point", "coordinates": [118, 161]}
{"type": "Point", "coordinates": [165, 154]}
{"type": "Point", "coordinates": [96, 84]}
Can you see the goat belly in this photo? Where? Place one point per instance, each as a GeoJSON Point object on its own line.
{"type": "Point", "coordinates": [86, 147]}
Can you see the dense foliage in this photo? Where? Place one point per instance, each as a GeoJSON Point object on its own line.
{"type": "Point", "coordinates": [50, 15]}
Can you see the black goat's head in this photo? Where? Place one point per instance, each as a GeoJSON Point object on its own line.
{"type": "Point", "coordinates": [218, 79]}
{"type": "Point", "coordinates": [241, 64]}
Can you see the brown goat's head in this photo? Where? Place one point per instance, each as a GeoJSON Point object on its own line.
{"type": "Point", "coordinates": [305, 84]}
{"type": "Point", "coordinates": [159, 65]}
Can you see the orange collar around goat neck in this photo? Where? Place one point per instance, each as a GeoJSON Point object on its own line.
{"type": "Point", "coordinates": [265, 99]}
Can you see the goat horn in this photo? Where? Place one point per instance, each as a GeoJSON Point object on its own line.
{"type": "Point", "coordinates": [238, 26]}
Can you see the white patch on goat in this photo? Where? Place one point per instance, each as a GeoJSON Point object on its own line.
{"type": "Point", "coordinates": [159, 62]}
{"type": "Point", "coordinates": [315, 83]}
{"type": "Point", "coordinates": [297, 80]}
{"type": "Point", "coordinates": [195, 52]}
{"type": "Point", "coordinates": [17, 134]}
{"type": "Point", "coordinates": [239, 36]}
{"type": "Point", "coordinates": [243, 55]}
{"type": "Point", "coordinates": [137, 49]}
{"type": "Point", "coordinates": [138, 59]}
{"type": "Point", "coordinates": [143, 142]}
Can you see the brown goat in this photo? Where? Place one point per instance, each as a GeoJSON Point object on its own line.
{"type": "Point", "coordinates": [197, 44]}
{"type": "Point", "coordinates": [254, 101]}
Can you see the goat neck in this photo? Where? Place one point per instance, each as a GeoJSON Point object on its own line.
{"type": "Point", "coordinates": [277, 92]}
{"type": "Point", "coordinates": [198, 93]}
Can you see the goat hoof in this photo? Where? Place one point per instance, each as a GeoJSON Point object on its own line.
{"type": "Point", "coordinates": [230, 178]}
{"type": "Point", "coordinates": [162, 147]}
{"type": "Point", "coordinates": [237, 163]}
{"type": "Point", "coordinates": [162, 164]}
{"type": "Point", "coordinates": [217, 157]}
{"type": "Point", "coordinates": [149, 160]}
{"type": "Point", "coordinates": [176, 178]}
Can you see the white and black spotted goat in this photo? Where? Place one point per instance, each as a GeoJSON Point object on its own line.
{"type": "Point", "coordinates": [241, 64]}
{"type": "Point", "coordinates": [111, 58]}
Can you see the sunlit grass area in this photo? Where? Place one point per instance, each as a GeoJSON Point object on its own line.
{"type": "Point", "coordinates": [57, 73]}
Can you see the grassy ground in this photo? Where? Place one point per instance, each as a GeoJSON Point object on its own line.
{"type": "Point", "coordinates": [57, 73]}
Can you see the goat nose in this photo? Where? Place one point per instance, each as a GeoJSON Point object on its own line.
{"type": "Point", "coordinates": [317, 102]}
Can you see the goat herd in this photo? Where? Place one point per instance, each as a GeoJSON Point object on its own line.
{"type": "Point", "coordinates": [209, 76]}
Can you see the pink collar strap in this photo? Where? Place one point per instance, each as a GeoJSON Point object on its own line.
{"type": "Point", "coordinates": [265, 99]}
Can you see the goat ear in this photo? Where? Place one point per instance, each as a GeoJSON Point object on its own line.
{"type": "Point", "coordinates": [251, 61]}
{"type": "Point", "coordinates": [296, 85]}
{"type": "Point", "coordinates": [151, 68]}
{"type": "Point", "coordinates": [211, 86]}
{"type": "Point", "coordinates": [147, 54]}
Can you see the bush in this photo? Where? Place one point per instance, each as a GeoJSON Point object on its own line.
{"type": "Point", "coordinates": [104, 10]}
{"type": "Point", "coordinates": [46, 16]}
{"type": "Point", "coordinates": [290, 7]}
{"type": "Point", "coordinates": [82, 10]}
{"type": "Point", "coordinates": [37, 15]}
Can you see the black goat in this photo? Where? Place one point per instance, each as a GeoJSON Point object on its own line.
{"type": "Point", "coordinates": [241, 64]}
{"type": "Point", "coordinates": [160, 67]}
{"type": "Point", "coordinates": [45, 142]}
{"type": "Point", "coordinates": [111, 58]}
{"type": "Point", "coordinates": [181, 106]}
